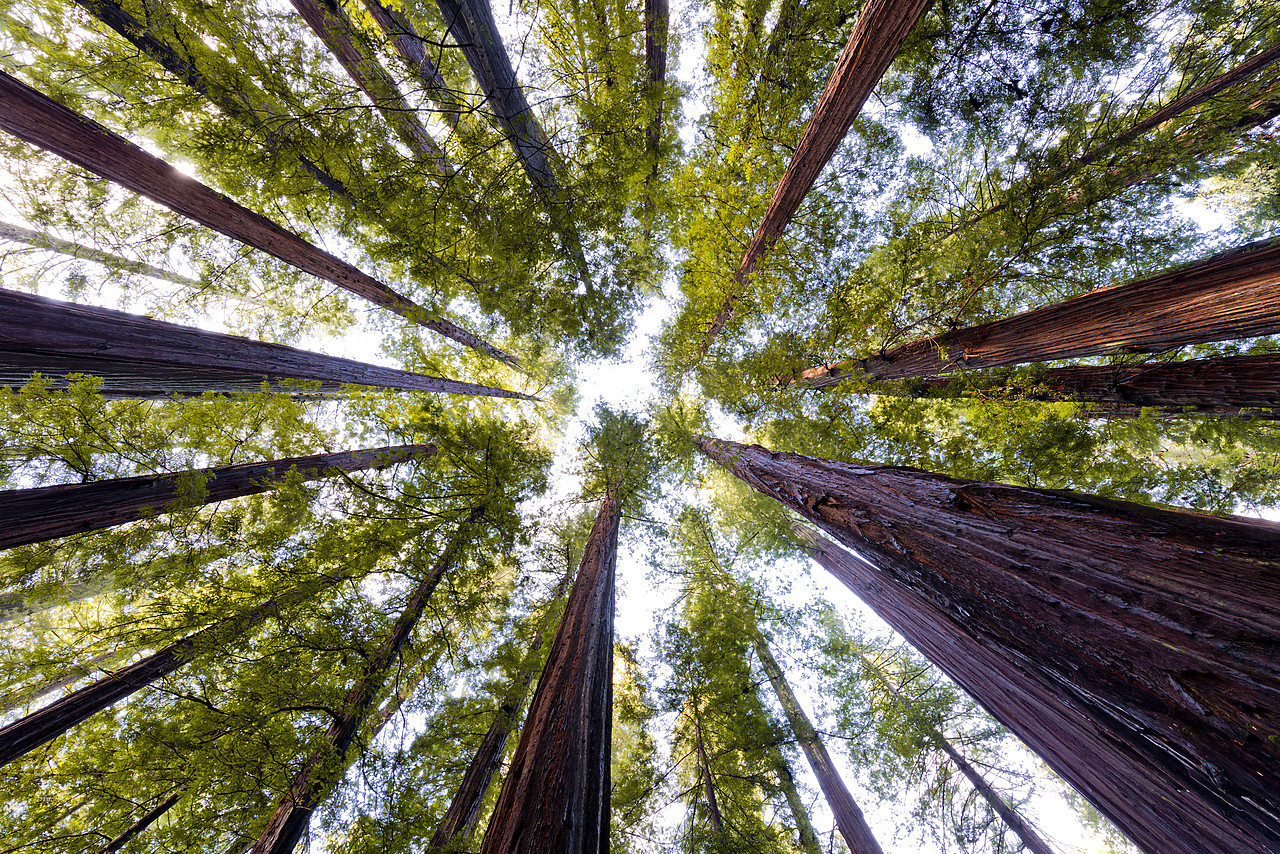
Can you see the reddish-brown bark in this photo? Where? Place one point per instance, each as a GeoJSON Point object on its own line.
{"type": "Point", "coordinates": [137, 356]}
{"type": "Point", "coordinates": [1234, 294]}
{"type": "Point", "coordinates": [1231, 385]}
{"type": "Point", "coordinates": [46, 512]}
{"type": "Point", "coordinates": [144, 822]}
{"type": "Point", "coordinates": [1132, 647]}
{"type": "Point", "coordinates": [327, 19]}
{"type": "Point", "coordinates": [46, 724]}
{"type": "Point", "coordinates": [39, 120]}
{"type": "Point", "coordinates": [555, 799]}
{"type": "Point", "coordinates": [849, 819]}
{"type": "Point", "coordinates": [879, 32]}
{"type": "Point", "coordinates": [317, 777]}
{"type": "Point", "coordinates": [657, 15]}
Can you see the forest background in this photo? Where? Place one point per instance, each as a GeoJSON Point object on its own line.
{"type": "Point", "coordinates": [992, 171]}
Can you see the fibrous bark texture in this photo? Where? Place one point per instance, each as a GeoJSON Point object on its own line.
{"type": "Point", "coordinates": [555, 799]}
{"type": "Point", "coordinates": [144, 822]}
{"type": "Point", "coordinates": [46, 512]}
{"type": "Point", "coordinates": [881, 28]}
{"type": "Point", "coordinates": [849, 819]}
{"type": "Point", "coordinates": [139, 357]}
{"type": "Point", "coordinates": [1231, 385]}
{"type": "Point", "coordinates": [657, 19]}
{"type": "Point", "coordinates": [327, 19]}
{"type": "Point", "coordinates": [1132, 647]}
{"type": "Point", "coordinates": [39, 120]}
{"type": "Point", "coordinates": [325, 767]}
{"type": "Point", "coordinates": [1234, 294]}
{"type": "Point", "coordinates": [46, 724]}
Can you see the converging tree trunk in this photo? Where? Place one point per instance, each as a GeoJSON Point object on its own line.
{"type": "Point", "coordinates": [139, 357]}
{"type": "Point", "coordinates": [46, 724]}
{"type": "Point", "coordinates": [144, 822]}
{"type": "Point", "coordinates": [46, 512]}
{"type": "Point", "coordinates": [39, 120]}
{"type": "Point", "coordinates": [704, 771]}
{"type": "Point", "coordinates": [1234, 294]}
{"type": "Point", "coordinates": [29, 694]}
{"type": "Point", "coordinates": [1015, 822]}
{"type": "Point", "coordinates": [555, 799]}
{"type": "Point", "coordinates": [808, 837]}
{"type": "Point", "coordinates": [339, 35]}
{"type": "Point", "coordinates": [879, 32]}
{"type": "Point", "coordinates": [657, 19]}
{"type": "Point", "coordinates": [325, 767]}
{"type": "Point", "coordinates": [410, 46]}
{"type": "Point", "coordinates": [849, 819]}
{"type": "Point", "coordinates": [39, 240]}
{"type": "Point", "coordinates": [1132, 647]}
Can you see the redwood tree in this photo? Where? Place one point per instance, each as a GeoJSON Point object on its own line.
{"type": "Point", "coordinates": [140, 357]}
{"type": "Point", "coordinates": [1132, 647]}
{"type": "Point", "coordinates": [43, 513]}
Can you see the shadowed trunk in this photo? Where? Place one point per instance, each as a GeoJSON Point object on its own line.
{"type": "Point", "coordinates": [41, 121]}
{"type": "Point", "coordinates": [325, 767]}
{"type": "Point", "coordinates": [1132, 647]}
{"type": "Point", "coordinates": [410, 47]}
{"type": "Point", "coordinates": [1030, 839]}
{"type": "Point", "coordinates": [139, 357]}
{"type": "Point", "coordinates": [46, 512]}
{"type": "Point", "coordinates": [327, 19]}
{"type": "Point", "coordinates": [808, 837]}
{"type": "Point", "coordinates": [1234, 294]}
{"type": "Point", "coordinates": [704, 771]}
{"type": "Point", "coordinates": [849, 819]}
{"type": "Point", "coordinates": [879, 32]}
{"type": "Point", "coordinates": [144, 822]}
{"type": "Point", "coordinates": [460, 818]}
{"type": "Point", "coordinates": [18, 234]}
{"type": "Point", "coordinates": [657, 14]}
{"type": "Point", "coordinates": [46, 724]}
{"type": "Point", "coordinates": [30, 694]}
{"type": "Point", "coordinates": [555, 799]}
{"type": "Point", "coordinates": [1231, 385]}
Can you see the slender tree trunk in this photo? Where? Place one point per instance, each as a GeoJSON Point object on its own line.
{"type": "Point", "coordinates": [1234, 294]}
{"type": "Point", "coordinates": [1132, 647]}
{"type": "Point", "coordinates": [555, 799]}
{"type": "Point", "coordinates": [47, 512]}
{"type": "Point", "coordinates": [1024, 831]}
{"type": "Point", "coordinates": [704, 771]}
{"type": "Point", "coordinates": [339, 35]}
{"type": "Point", "coordinates": [18, 234]}
{"type": "Point", "coordinates": [33, 693]}
{"type": "Point", "coordinates": [804, 827]}
{"type": "Point", "coordinates": [39, 120]}
{"type": "Point", "coordinates": [849, 819]}
{"type": "Point", "coordinates": [137, 356]}
{"type": "Point", "coordinates": [46, 724]}
{"type": "Point", "coordinates": [464, 808]}
{"type": "Point", "coordinates": [881, 28]}
{"type": "Point", "coordinates": [1231, 385]}
{"type": "Point", "coordinates": [144, 822]}
{"type": "Point", "coordinates": [316, 779]}
{"type": "Point", "coordinates": [657, 15]}
{"type": "Point", "coordinates": [406, 42]}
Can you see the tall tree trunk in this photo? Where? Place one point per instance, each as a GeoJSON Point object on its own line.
{"type": "Point", "coordinates": [339, 35]}
{"type": "Point", "coordinates": [808, 837]}
{"type": "Point", "coordinates": [410, 47]}
{"type": "Point", "coordinates": [139, 357]}
{"type": "Point", "coordinates": [1230, 385]}
{"type": "Point", "coordinates": [1173, 109]}
{"type": "Point", "coordinates": [39, 120]}
{"type": "Point", "coordinates": [849, 819]}
{"type": "Point", "coordinates": [316, 779]}
{"type": "Point", "coordinates": [657, 20]}
{"type": "Point", "coordinates": [1234, 294]}
{"type": "Point", "coordinates": [46, 724]}
{"type": "Point", "coordinates": [1132, 647]}
{"type": "Point", "coordinates": [46, 512]}
{"type": "Point", "coordinates": [32, 693]}
{"type": "Point", "coordinates": [144, 822]}
{"type": "Point", "coordinates": [18, 234]}
{"type": "Point", "coordinates": [1015, 822]}
{"type": "Point", "coordinates": [704, 771]}
{"type": "Point", "coordinates": [555, 799]}
{"type": "Point", "coordinates": [879, 32]}
{"type": "Point", "coordinates": [471, 24]}
{"type": "Point", "coordinates": [464, 808]}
